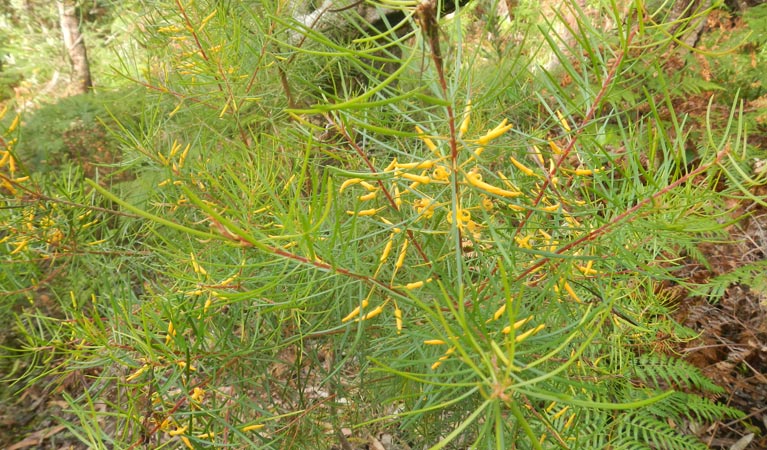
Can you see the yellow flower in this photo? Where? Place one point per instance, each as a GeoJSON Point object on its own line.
{"type": "Point", "coordinates": [495, 132]}
{"type": "Point", "coordinates": [487, 204]}
{"type": "Point", "coordinates": [138, 373]}
{"type": "Point", "coordinates": [474, 178]}
{"type": "Point", "coordinates": [178, 431]}
{"type": "Point", "coordinates": [441, 173]}
{"type": "Point", "coordinates": [197, 395]}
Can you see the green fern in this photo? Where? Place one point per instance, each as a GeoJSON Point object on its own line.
{"type": "Point", "coordinates": [681, 405]}
{"type": "Point", "coordinates": [656, 370]}
{"type": "Point", "coordinates": [713, 290]}
{"type": "Point", "coordinates": [637, 430]}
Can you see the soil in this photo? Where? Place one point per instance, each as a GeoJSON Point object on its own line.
{"type": "Point", "coordinates": [732, 346]}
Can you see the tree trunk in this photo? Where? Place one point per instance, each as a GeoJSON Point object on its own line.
{"type": "Point", "coordinates": [75, 44]}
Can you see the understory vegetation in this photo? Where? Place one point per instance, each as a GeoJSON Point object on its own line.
{"type": "Point", "coordinates": [459, 235]}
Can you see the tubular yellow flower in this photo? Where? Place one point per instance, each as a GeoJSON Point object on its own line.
{"type": "Point", "coordinates": [205, 307]}
{"type": "Point", "coordinates": [206, 20]}
{"type": "Point", "coordinates": [365, 212]}
{"type": "Point", "coordinates": [429, 143]}
{"type": "Point", "coordinates": [12, 164]}
{"type": "Point", "coordinates": [397, 197]}
{"type": "Point", "coordinates": [550, 407]}
{"type": "Point", "coordinates": [524, 169]}
{"type": "Point", "coordinates": [555, 148]}
{"type": "Point", "coordinates": [171, 333]}
{"type": "Point", "coordinates": [137, 373]}
{"type": "Point", "coordinates": [442, 358]}
{"type": "Point", "coordinates": [348, 183]}
{"type": "Point", "coordinates": [587, 270]}
{"type": "Point", "coordinates": [14, 124]}
{"type": "Point", "coordinates": [182, 364]}
{"type": "Point", "coordinates": [8, 186]}
{"type": "Point", "coordinates": [560, 413]}
{"type": "Point", "coordinates": [368, 196]}
{"type": "Point", "coordinates": [182, 158]}
{"type": "Point", "coordinates": [495, 132]}
{"type": "Point", "coordinates": [174, 148]}
{"type": "Point", "coordinates": [466, 119]}
{"type": "Point", "coordinates": [563, 122]}
{"type": "Point", "coordinates": [517, 325]}
{"type": "Point", "coordinates": [570, 421]}
{"type": "Point", "coordinates": [571, 292]}
{"type": "Point", "coordinates": [355, 312]}
{"type": "Point", "coordinates": [428, 164]}
{"type": "Point", "coordinates": [20, 246]}
{"type": "Point", "coordinates": [369, 187]}
{"type": "Point", "coordinates": [398, 318]}
{"type": "Point", "coordinates": [402, 253]}
{"type": "Point", "coordinates": [572, 221]}
{"type": "Point", "coordinates": [474, 228]}
{"type": "Point", "coordinates": [421, 179]}
{"type": "Point", "coordinates": [550, 208]}
{"type": "Point", "coordinates": [529, 333]}
{"type": "Point", "coordinates": [588, 172]}
{"type": "Point", "coordinates": [434, 342]}
{"type": "Point", "coordinates": [475, 179]}
{"type": "Point", "coordinates": [178, 430]}
{"type": "Point", "coordinates": [169, 29]}
{"type": "Point", "coordinates": [252, 427]}
{"type": "Point", "coordinates": [375, 312]}
{"type": "Point", "coordinates": [499, 312]}
{"type": "Point", "coordinates": [506, 181]}
{"type": "Point", "coordinates": [387, 249]}
{"type": "Point", "coordinates": [414, 285]}
{"type": "Point", "coordinates": [196, 267]}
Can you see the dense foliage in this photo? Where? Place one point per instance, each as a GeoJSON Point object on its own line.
{"type": "Point", "coordinates": [460, 241]}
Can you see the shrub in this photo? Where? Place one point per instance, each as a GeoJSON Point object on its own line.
{"type": "Point", "coordinates": [468, 251]}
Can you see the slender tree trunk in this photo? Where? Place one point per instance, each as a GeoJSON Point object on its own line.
{"type": "Point", "coordinates": [75, 44]}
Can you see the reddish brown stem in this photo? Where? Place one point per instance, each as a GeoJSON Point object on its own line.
{"type": "Point", "coordinates": [629, 212]}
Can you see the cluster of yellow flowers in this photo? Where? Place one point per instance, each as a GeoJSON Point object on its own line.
{"type": "Point", "coordinates": [8, 166]}
{"type": "Point", "coordinates": [400, 181]}
{"type": "Point", "coordinates": [173, 429]}
{"type": "Point", "coordinates": [34, 225]}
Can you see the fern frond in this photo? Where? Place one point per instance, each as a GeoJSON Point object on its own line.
{"type": "Point", "coordinates": [638, 430]}
{"type": "Point", "coordinates": [714, 289]}
{"type": "Point", "coordinates": [686, 406]}
{"type": "Point", "coordinates": [654, 369]}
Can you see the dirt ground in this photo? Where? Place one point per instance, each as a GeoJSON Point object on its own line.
{"type": "Point", "coordinates": [732, 346]}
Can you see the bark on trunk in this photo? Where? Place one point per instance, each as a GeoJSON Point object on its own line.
{"type": "Point", "coordinates": [75, 44]}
